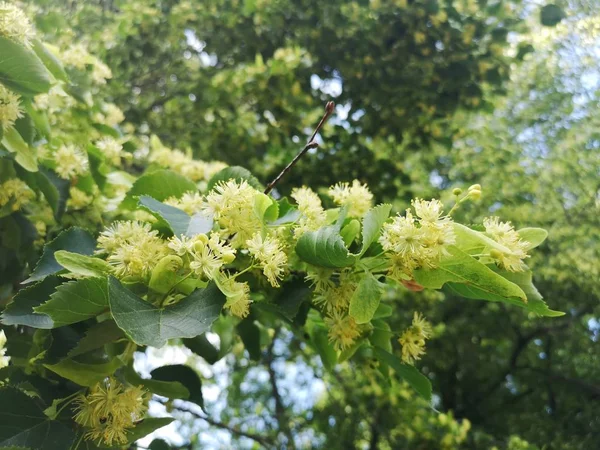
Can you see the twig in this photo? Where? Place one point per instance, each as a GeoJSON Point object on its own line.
{"type": "Point", "coordinates": [280, 413]}
{"type": "Point", "coordinates": [310, 144]}
{"type": "Point", "coordinates": [263, 440]}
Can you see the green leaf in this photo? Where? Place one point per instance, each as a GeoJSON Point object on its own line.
{"type": "Point", "coordinates": [383, 310]}
{"type": "Point", "coordinates": [236, 173]}
{"type": "Point", "coordinates": [24, 424]}
{"type": "Point", "coordinates": [21, 310]}
{"type": "Point", "coordinates": [21, 70]}
{"type": "Point", "coordinates": [84, 374]}
{"type": "Point", "coordinates": [164, 275]}
{"type": "Point", "coordinates": [50, 61]}
{"type": "Point", "coordinates": [475, 277]}
{"type": "Point", "coordinates": [381, 336]}
{"type": "Point", "coordinates": [146, 324]}
{"type": "Point", "coordinates": [324, 247]}
{"type": "Point", "coordinates": [40, 119]}
{"type": "Point", "coordinates": [372, 223]}
{"type": "Point", "coordinates": [14, 143]}
{"type": "Point", "coordinates": [87, 266]}
{"type": "Point", "coordinates": [265, 208]}
{"type": "Point", "coordinates": [184, 375]}
{"type": "Point", "coordinates": [410, 374]}
{"type": "Point", "coordinates": [147, 426]}
{"type": "Point", "coordinates": [55, 189]}
{"type": "Point", "coordinates": [350, 231]}
{"type": "Point", "coordinates": [159, 185]}
{"type": "Point", "coordinates": [551, 15]}
{"type": "Point", "coordinates": [76, 240]}
{"type": "Point", "coordinates": [475, 242]}
{"type": "Point", "coordinates": [287, 213]}
{"type": "Point", "coordinates": [177, 220]}
{"type": "Point", "coordinates": [76, 301]}
{"type": "Point", "coordinates": [201, 346]}
{"type": "Point", "coordinates": [535, 301]}
{"type": "Point", "coordinates": [365, 300]}
{"type": "Point", "coordinates": [534, 236]}
{"type": "Point", "coordinates": [199, 224]}
{"type": "Point", "coordinates": [166, 388]}
{"type": "Point", "coordinates": [97, 336]}
{"type": "Point", "coordinates": [250, 335]}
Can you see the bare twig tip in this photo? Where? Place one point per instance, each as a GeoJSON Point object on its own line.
{"type": "Point", "coordinates": [329, 107]}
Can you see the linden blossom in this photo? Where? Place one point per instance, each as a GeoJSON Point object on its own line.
{"type": "Point", "coordinates": [10, 108]}
{"type": "Point", "coordinates": [70, 162]}
{"type": "Point", "coordinates": [109, 410]}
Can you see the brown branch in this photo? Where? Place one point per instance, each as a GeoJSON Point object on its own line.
{"type": "Point", "coordinates": [262, 440]}
{"type": "Point", "coordinates": [280, 413]}
{"type": "Point", "coordinates": [311, 143]}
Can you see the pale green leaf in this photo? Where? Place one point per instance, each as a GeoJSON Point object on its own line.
{"type": "Point", "coordinates": [14, 143]}
{"type": "Point", "coordinates": [84, 374]}
{"type": "Point", "coordinates": [87, 266]}
{"type": "Point", "coordinates": [365, 299]}
{"type": "Point", "coordinates": [533, 236]}
{"type": "Point", "coordinates": [459, 267]}
{"type": "Point", "coordinates": [169, 389]}
{"type": "Point", "coordinates": [372, 223]}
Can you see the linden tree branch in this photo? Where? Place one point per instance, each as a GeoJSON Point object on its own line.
{"type": "Point", "coordinates": [310, 144]}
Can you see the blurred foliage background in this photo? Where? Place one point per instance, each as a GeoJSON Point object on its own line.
{"type": "Point", "coordinates": [431, 95]}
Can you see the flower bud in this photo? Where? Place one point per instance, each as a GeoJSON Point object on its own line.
{"type": "Point", "coordinates": [457, 191]}
{"type": "Point", "coordinates": [475, 194]}
{"type": "Point", "coordinates": [475, 187]}
{"type": "Point", "coordinates": [494, 253]}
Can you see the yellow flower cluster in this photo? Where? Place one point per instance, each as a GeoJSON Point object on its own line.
{"type": "Point", "coordinates": [209, 255]}
{"type": "Point", "coordinates": [343, 330]}
{"type": "Point", "coordinates": [10, 108]}
{"type": "Point", "coordinates": [4, 360]}
{"type": "Point", "coordinates": [190, 202]}
{"type": "Point", "coordinates": [15, 192]}
{"type": "Point", "coordinates": [507, 236]}
{"type": "Point", "coordinates": [109, 410]}
{"type": "Point", "coordinates": [333, 295]}
{"type": "Point", "coordinates": [14, 24]}
{"type": "Point", "coordinates": [357, 196]}
{"type": "Point", "coordinates": [231, 204]}
{"type": "Point", "coordinates": [70, 162]}
{"type": "Point", "coordinates": [269, 254]}
{"type": "Point", "coordinates": [55, 100]}
{"type": "Point", "coordinates": [238, 295]}
{"type": "Point", "coordinates": [112, 150]}
{"type": "Point", "coordinates": [413, 339]}
{"type": "Point", "coordinates": [111, 115]}
{"type": "Point", "coordinates": [181, 163]}
{"type": "Point", "coordinates": [133, 248]}
{"type": "Point", "coordinates": [416, 242]}
{"type": "Point", "coordinates": [310, 206]}
{"type": "Point", "coordinates": [78, 199]}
